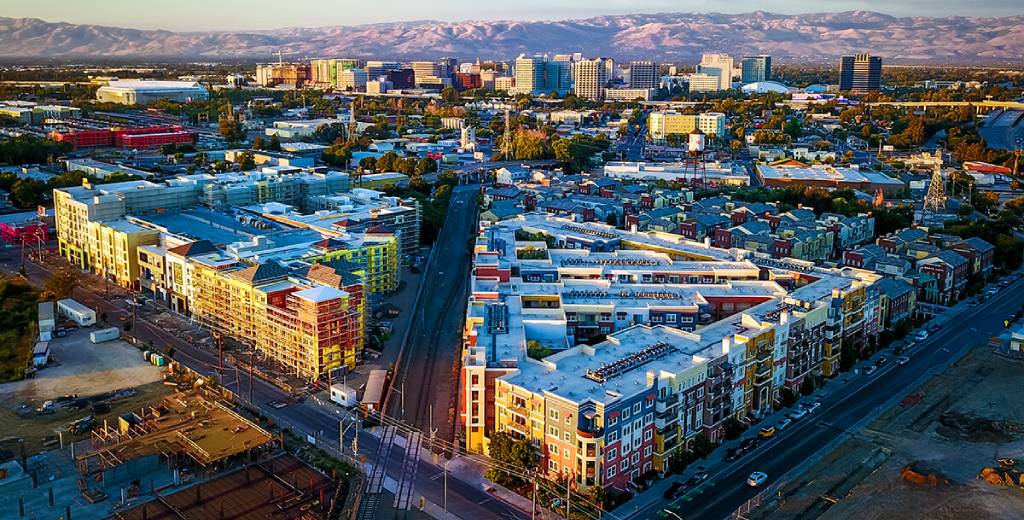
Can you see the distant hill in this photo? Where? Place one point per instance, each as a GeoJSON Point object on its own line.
{"type": "Point", "coordinates": [670, 37]}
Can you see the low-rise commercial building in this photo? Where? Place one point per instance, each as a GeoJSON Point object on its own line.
{"type": "Point", "coordinates": [144, 92]}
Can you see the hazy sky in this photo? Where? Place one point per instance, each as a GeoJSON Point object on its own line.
{"type": "Point", "coordinates": [269, 14]}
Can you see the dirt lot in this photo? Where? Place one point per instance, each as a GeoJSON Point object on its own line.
{"type": "Point", "coordinates": [112, 374]}
{"type": "Point", "coordinates": [959, 422]}
{"type": "Point", "coordinates": [80, 367]}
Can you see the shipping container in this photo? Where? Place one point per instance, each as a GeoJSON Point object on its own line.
{"type": "Point", "coordinates": [343, 395]}
{"type": "Point", "coordinates": [46, 318]}
{"type": "Point", "coordinates": [76, 312]}
{"type": "Point", "coordinates": [41, 354]}
{"type": "Point", "coordinates": [373, 394]}
{"type": "Point", "coordinates": [102, 335]}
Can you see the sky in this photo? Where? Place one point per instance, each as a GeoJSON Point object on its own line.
{"type": "Point", "coordinates": [240, 15]}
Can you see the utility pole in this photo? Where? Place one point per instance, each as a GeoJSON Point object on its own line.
{"type": "Point", "coordinates": [533, 510]}
{"type": "Point", "coordinates": [250, 377]}
{"type": "Point", "coordinates": [445, 487]}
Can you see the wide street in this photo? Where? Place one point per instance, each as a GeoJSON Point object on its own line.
{"type": "Point", "coordinates": [842, 413]}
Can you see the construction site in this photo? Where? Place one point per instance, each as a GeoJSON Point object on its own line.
{"type": "Point", "coordinates": [951, 449]}
{"type": "Point", "coordinates": [188, 455]}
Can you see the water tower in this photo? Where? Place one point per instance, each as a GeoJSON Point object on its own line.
{"type": "Point", "coordinates": [694, 170]}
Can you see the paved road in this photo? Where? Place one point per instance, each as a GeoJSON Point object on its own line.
{"type": "Point", "coordinates": [842, 412]}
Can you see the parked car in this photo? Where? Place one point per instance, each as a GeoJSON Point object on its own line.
{"type": "Point", "coordinates": [921, 335]}
{"type": "Point", "coordinates": [871, 370]}
{"type": "Point", "coordinates": [812, 407]}
{"type": "Point", "coordinates": [757, 478]}
{"type": "Point", "coordinates": [674, 490]}
{"type": "Point", "coordinates": [783, 423]}
{"type": "Point", "coordinates": [732, 454]}
{"type": "Point", "coordinates": [749, 443]}
{"type": "Point", "coordinates": [882, 360]}
{"type": "Point", "coordinates": [798, 414]}
{"type": "Point", "coordinates": [902, 360]}
{"type": "Point", "coordinates": [767, 432]}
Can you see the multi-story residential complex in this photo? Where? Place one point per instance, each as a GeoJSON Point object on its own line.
{"type": "Point", "coordinates": [643, 74]}
{"type": "Point", "coordinates": [351, 79]}
{"type": "Point", "coordinates": [290, 75]}
{"type": "Point", "coordinates": [628, 94]}
{"type": "Point", "coordinates": [692, 335]}
{"type": "Point", "coordinates": [537, 75]}
{"type": "Point", "coordinates": [235, 210]}
{"type": "Point", "coordinates": [860, 73]}
{"type": "Point", "coordinates": [719, 65]}
{"type": "Point", "coordinates": [755, 69]}
{"type": "Point", "coordinates": [590, 78]}
{"type": "Point", "coordinates": [660, 125]}
{"type": "Point", "coordinates": [144, 92]}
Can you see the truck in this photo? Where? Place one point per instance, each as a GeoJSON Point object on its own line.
{"type": "Point", "coordinates": [76, 312]}
{"type": "Point", "coordinates": [102, 335]}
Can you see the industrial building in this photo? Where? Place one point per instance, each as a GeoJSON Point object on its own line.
{"type": "Point", "coordinates": [144, 92]}
{"type": "Point", "coordinates": [793, 173]}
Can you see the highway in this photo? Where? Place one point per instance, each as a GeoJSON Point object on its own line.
{"type": "Point", "coordinates": [841, 413]}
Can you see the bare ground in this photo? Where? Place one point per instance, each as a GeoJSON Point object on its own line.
{"type": "Point", "coordinates": [953, 426]}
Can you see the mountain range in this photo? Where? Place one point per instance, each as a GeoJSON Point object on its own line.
{"type": "Point", "coordinates": [668, 37]}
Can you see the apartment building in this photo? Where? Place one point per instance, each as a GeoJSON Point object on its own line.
{"type": "Point", "coordinates": [636, 320]}
{"type": "Point", "coordinates": [718, 65]}
{"type": "Point", "coordinates": [590, 78]}
{"type": "Point", "coordinates": [661, 125]}
{"type": "Point", "coordinates": [643, 74]}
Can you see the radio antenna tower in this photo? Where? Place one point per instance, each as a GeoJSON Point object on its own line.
{"type": "Point", "coordinates": [506, 138]}
{"type": "Point", "coordinates": [935, 200]}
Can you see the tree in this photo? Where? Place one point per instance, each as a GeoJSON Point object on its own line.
{"type": "Point", "coordinates": [449, 94]}
{"type": "Point", "coordinates": [257, 144]}
{"type": "Point", "coordinates": [807, 386]}
{"type": "Point", "coordinates": [247, 162]}
{"type": "Point", "coordinates": [337, 155]}
{"type": "Point", "coordinates": [231, 130]}
{"type": "Point", "coordinates": [425, 165]}
{"type": "Point", "coordinates": [509, 451]}
{"type": "Point", "coordinates": [368, 163]}
{"type": "Point", "coordinates": [732, 428]}
{"type": "Point", "coordinates": [702, 446]}
{"type": "Point", "coordinates": [275, 144]}
{"type": "Point", "coordinates": [787, 397]}
{"type": "Point", "coordinates": [61, 284]}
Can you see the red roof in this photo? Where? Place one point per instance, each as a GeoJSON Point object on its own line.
{"type": "Point", "coordinates": [984, 167]}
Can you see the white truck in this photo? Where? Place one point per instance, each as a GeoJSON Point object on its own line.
{"type": "Point", "coordinates": [102, 335]}
{"type": "Point", "coordinates": [76, 312]}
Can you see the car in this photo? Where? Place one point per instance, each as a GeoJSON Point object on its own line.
{"type": "Point", "coordinates": [902, 360]}
{"type": "Point", "coordinates": [882, 360]}
{"type": "Point", "coordinates": [767, 432]}
{"type": "Point", "coordinates": [812, 407]}
{"type": "Point", "coordinates": [697, 478]}
{"type": "Point", "coordinates": [757, 478]}
{"type": "Point", "coordinates": [674, 490]}
{"type": "Point", "coordinates": [871, 370]}
{"type": "Point", "coordinates": [798, 414]}
{"type": "Point", "coordinates": [732, 454]}
{"type": "Point", "coordinates": [921, 335]}
{"type": "Point", "coordinates": [749, 443]}
{"type": "Point", "coordinates": [783, 423]}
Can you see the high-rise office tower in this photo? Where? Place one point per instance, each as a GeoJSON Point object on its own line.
{"type": "Point", "coordinates": [447, 67]}
{"type": "Point", "coordinates": [643, 74]}
{"type": "Point", "coordinates": [756, 69]}
{"type": "Point", "coordinates": [716, 64]}
{"type": "Point", "coordinates": [590, 77]}
{"type": "Point", "coordinates": [424, 69]}
{"type": "Point", "coordinates": [536, 75]}
{"type": "Point", "coordinates": [860, 73]}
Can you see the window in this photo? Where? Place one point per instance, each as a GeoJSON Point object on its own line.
{"type": "Point", "coordinates": [625, 413]}
{"type": "Point", "coordinates": [612, 453]}
{"type": "Point", "coordinates": [624, 465]}
{"type": "Point", "coordinates": [552, 449]}
{"type": "Point", "coordinates": [700, 392]}
{"type": "Point", "coordinates": [626, 430]}
{"type": "Point", "coordinates": [565, 453]}
{"type": "Point", "coordinates": [552, 465]}
{"type": "Point", "coordinates": [686, 319]}
{"type": "Point", "coordinates": [553, 414]}
{"type": "Point", "coordinates": [606, 330]}
{"type": "Point", "coordinates": [647, 451]}
{"type": "Point", "coordinates": [566, 437]}
{"type": "Point", "coordinates": [568, 419]}
{"type": "Point", "coordinates": [670, 318]}
{"type": "Point", "coordinates": [621, 316]}
{"type": "Point", "coordinates": [648, 435]}
{"type": "Point", "coordinates": [552, 431]}
{"type": "Point", "coordinates": [656, 318]}
{"type": "Point", "coordinates": [613, 420]}
{"type": "Point", "coordinates": [613, 436]}
{"type": "Point", "coordinates": [649, 419]}
{"type": "Point", "coordinates": [611, 472]}
{"type": "Point", "coordinates": [636, 408]}
{"type": "Point", "coordinates": [636, 458]}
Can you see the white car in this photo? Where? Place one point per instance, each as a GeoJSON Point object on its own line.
{"type": "Point", "coordinates": [921, 335]}
{"type": "Point", "coordinates": [902, 360]}
{"type": "Point", "coordinates": [812, 407]}
{"type": "Point", "coordinates": [798, 414]}
{"type": "Point", "coordinates": [757, 478]}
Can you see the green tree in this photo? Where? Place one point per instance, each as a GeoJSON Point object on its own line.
{"type": "Point", "coordinates": [247, 162]}
{"type": "Point", "coordinates": [732, 428]}
{"type": "Point", "coordinates": [787, 397]}
{"type": "Point", "coordinates": [368, 163]}
{"type": "Point", "coordinates": [449, 94]}
{"type": "Point", "coordinates": [387, 162]}
{"type": "Point", "coordinates": [509, 451]}
{"type": "Point", "coordinates": [275, 144]}
{"type": "Point", "coordinates": [425, 165]}
{"type": "Point", "coordinates": [231, 130]}
{"type": "Point", "coordinates": [702, 446]}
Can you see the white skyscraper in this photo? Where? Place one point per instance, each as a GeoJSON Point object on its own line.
{"type": "Point", "coordinates": [716, 64]}
{"type": "Point", "coordinates": [591, 77]}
